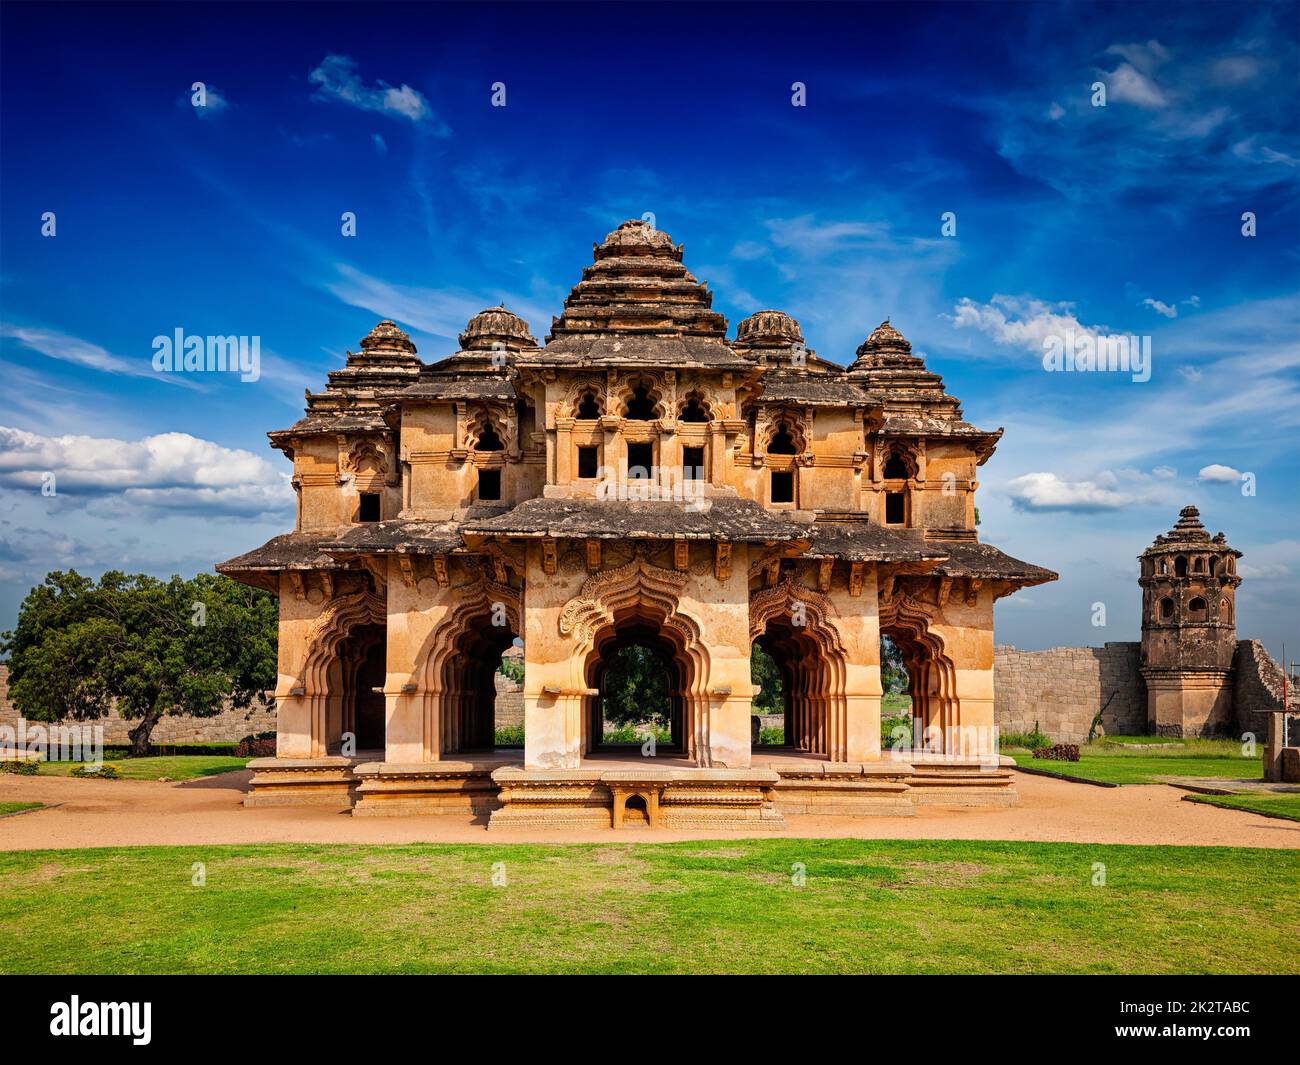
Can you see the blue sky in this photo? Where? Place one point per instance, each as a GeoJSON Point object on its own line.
{"type": "Point", "coordinates": [224, 220]}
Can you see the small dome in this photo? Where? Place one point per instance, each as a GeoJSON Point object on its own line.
{"type": "Point", "coordinates": [496, 325]}
{"type": "Point", "coordinates": [885, 339]}
{"type": "Point", "coordinates": [386, 338]}
{"type": "Point", "coordinates": [768, 329]}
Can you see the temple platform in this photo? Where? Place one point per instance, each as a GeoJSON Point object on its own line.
{"type": "Point", "coordinates": [613, 787]}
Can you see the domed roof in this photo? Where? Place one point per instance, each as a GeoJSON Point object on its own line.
{"type": "Point", "coordinates": [1188, 531]}
{"type": "Point", "coordinates": [768, 329]}
{"type": "Point", "coordinates": [885, 339]}
{"type": "Point", "coordinates": [496, 325]}
{"type": "Point", "coordinates": [636, 237]}
{"type": "Point", "coordinates": [386, 338]}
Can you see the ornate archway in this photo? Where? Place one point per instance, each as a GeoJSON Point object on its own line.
{"type": "Point", "coordinates": [932, 678]}
{"type": "Point", "coordinates": [345, 651]}
{"type": "Point", "coordinates": [639, 601]}
{"type": "Point", "coordinates": [792, 623]}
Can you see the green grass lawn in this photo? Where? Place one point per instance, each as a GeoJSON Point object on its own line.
{"type": "Point", "coordinates": [175, 767]}
{"type": "Point", "coordinates": [1261, 803]}
{"type": "Point", "coordinates": [910, 906]}
{"type": "Point", "coordinates": [1109, 763]}
{"type": "Point", "coordinates": [18, 807]}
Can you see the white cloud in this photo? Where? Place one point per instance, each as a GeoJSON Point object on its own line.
{"type": "Point", "coordinates": [1219, 474]}
{"type": "Point", "coordinates": [336, 79]}
{"type": "Point", "coordinates": [214, 103]}
{"type": "Point", "coordinates": [1165, 309]}
{"type": "Point", "coordinates": [173, 471]}
{"type": "Point", "coordinates": [1127, 84]}
{"type": "Point", "coordinates": [1021, 321]}
{"type": "Point", "coordinates": [1047, 491]}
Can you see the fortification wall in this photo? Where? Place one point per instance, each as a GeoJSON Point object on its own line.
{"type": "Point", "coordinates": [1063, 688]}
{"type": "Point", "coordinates": [1256, 688]}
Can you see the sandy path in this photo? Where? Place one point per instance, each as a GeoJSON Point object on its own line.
{"type": "Point", "coordinates": [95, 813]}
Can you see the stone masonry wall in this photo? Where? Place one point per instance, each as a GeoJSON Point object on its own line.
{"type": "Point", "coordinates": [1256, 688]}
{"type": "Point", "coordinates": [1063, 688]}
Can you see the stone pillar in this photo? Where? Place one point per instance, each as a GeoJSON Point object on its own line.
{"type": "Point", "coordinates": [563, 450]}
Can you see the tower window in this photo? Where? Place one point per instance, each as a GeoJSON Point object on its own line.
{"type": "Point", "coordinates": [1197, 605]}
{"type": "Point", "coordinates": [489, 484]}
{"type": "Point", "coordinates": [782, 486]}
{"type": "Point", "coordinates": [588, 462]}
{"type": "Point", "coordinates": [488, 440]}
{"type": "Point", "coordinates": [369, 510]}
{"type": "Point", "coordinates": [895, 468]}
{"type": "Point", "coordinates": [1180, 566]}
{"type": "Point", "coordinates": [1166, 608]}
{"type": "Point", "coordinates": [693, 463]}
{"type": "Point", "coordinates": [895, 508]}
{"type": "Point", "coordinates": [640, 458]}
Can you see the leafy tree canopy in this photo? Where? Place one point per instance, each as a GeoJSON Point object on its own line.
{"type": "Point", "coordinates": [139, 645]}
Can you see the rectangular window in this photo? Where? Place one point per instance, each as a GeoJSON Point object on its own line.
{"type": "Point", "coordinates": [782, 486]}
{"type": "Point", "coordinates": [640, 459]}
{"type": "Point", "coordinates": [588, 462]}
{"type": "Point", "coordinates": [369, 510]}
{"type": "Point", "coordinates": [693, 461]}
{"type": "Point", "coordinates": [489, 484]}
{"type": "Point", "coordinates": [895, 508]}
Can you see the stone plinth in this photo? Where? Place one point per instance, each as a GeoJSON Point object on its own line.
{"type": "Point", "coordinates": [1186, 702]}
{"type": "Point", "coordinates": [948, 780]}
{"type": "Point", "coordinates": [849, 789]}
{"type": "Point", "coordinates": [446, 787]}
{"type": "Point", "coordinates": [326, 781]}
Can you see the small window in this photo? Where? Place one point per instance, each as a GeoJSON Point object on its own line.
{"type": "Point", "coordinates": [1213, 569]}
{"type": "Point", "coordinates": [488, 440]}
{"type": "Point", "coordinates": [589, 409]}
{"type": "Point", "coordinates": [895, 468]}
{"type": "Point", "coordinates": [1166, 608]}
{"type": "Point", "coordinates": [369, 510]}
{"type": "Point", "coordinates": [640, 458]}
{"type": "Point", "coordinates": [693, 412]}
{"type": "Point", "coordinates": [782, 442]}
{"type": "Point", "coordinates": [1180, 566]}
{"type": "Point", "coordinates": [782, 486]}
{"type": "Point", "coordinates": [895, 508]}
{"type": "Point", "coordinates": [640, 407]}
{"type": "Point", "coordinates": [1197, 605]}
{"type": "Point", "coordinates": [588, 462]}
{"type": "Point", "coordinates": [489, 484]}
{"type": "Point", "coordinates": [693, 463]}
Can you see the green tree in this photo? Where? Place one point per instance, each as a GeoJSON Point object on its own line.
{"type": "Point", "coordinates": [141, 646]}
{"type": "Point", "coordinates": [635, 687]}
{"type": "Point", "coordinates": [763, 672]}
{"type": "Point", "coordinates": [893, 670]}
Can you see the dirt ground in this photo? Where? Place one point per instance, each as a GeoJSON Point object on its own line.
{"type": "Point", "coordinates": [101, 813]}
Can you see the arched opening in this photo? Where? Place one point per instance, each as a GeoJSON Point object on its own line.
{"type": "Point", "coordinates": [694, 411]}
{"type": "Point", "coordinates": [1212, 570]}
{"type": "Point", "coordinates": [635, 812]}
{"type": "Point", "coordinates": [1166, 608]}
{"type": "Point", "coordinates": [588, 407]}
{"type": "Point", "coordinates": [1196, 608]}
{"type": "Point", "coordinates": [806, 684]}
{"type": "Point", "coordinates": [488, 439]}
{"type": "Point", "coordinates": [783, 442]}
{"type": "Point", "coordinates": [930, 678]}
{"type": "Point", "coordinates": [895, 467]}
{"type": "Point", "coordinates": [355, 711]}
{"type": "Point", "coordinates": [470, 692]}
{"type": "Point", "coordinates": [639, 407]}
{"type": "Point", "coordinates": [640, 677]}
{"type": "Point", "coordinates": [1180, 566]}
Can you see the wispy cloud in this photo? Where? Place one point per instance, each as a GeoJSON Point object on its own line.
{"type": "Point", "coordinates": [336, 78]}
{"type": "Point", "coordinates": [67, 348]}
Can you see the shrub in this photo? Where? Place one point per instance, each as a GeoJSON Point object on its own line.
{"type": "Point", "coordinates": [260, 746]}
{"type": "Point", "coordinates": [510, 736]}
{"type": "Point", "coordinates": [106, 771]}
{"type": "Point", "coordinates": [1059, 752]}
{"type": "Point", "coordinates": [19, 766]}
{"type": "Point", "coordinates": [1029, 740]}
{"type": "Point", "coordinates": [888, 725]}
{"type": "Point", "coordinates": [771, 737]}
